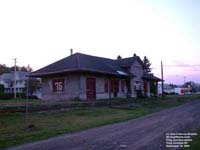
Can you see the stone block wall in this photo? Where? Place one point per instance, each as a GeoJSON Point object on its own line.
{"type": "Point", "coordinates": [75, 87]}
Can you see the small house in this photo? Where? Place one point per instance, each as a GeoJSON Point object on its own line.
{"type": "Point", "coordinates": [8, 79]}
{"type": "Point", "coordinates": [90, 77]}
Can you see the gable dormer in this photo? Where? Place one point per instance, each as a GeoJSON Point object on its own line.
{"type": "Point", "coordinates": [133, 65]}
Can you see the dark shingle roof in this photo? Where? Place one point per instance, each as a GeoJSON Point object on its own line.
{"type": "Point", "coordinates": [6, 77]}
{"type": "Point", "coordinates": [150, 76]}
{"type": "Point", "coordinates": [83, 62]}
{"type": "Point", "coordinates": [10, 76]}
{"type": "Point", "coordinates": [126, 62]}
{"type": "Point", "coordinates": [22, 75]}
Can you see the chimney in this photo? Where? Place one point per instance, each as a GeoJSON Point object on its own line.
{"type": "Point", "coordinates": [134, 55]}
{"type": "Point", "coordinates": [71, 51]}
{"type": "Point", "coordinates": [119, 57]}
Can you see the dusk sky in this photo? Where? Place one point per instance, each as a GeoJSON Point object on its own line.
{"type": "Point", "coordinates": [41, 32]}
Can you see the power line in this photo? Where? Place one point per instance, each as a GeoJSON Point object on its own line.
{"type": "Point", "coordinates": [181, 65]}
{"type": "Point", "coordinates": [194, 67]}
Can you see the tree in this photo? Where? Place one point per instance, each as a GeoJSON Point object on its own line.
{"type": "Point", "coordinates": [147, 64]}
{"type": "Point", "coordinates": [34, 85]}
{"type": "Point", "coordinates": [4, 69]}
{"type": "Point", "coordinates": [23, 68]}
{"type": "Point", "coordinates": [173, 85]}
{"type": "Point", "coordinates": [1, 88]}
{"type": "Point", "coordinates": [191, 85]}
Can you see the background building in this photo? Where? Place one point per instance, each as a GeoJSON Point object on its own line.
{"type": "Point", "coordinates": [7, 80]}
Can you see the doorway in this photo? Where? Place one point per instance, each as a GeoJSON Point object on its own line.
{"type": "Point", "coordinates": [91, 88]}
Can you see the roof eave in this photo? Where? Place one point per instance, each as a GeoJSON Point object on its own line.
{"type": "Point", "coordinates": [74, 70]}
{"type": "Point", "coordinates": [152, 78]}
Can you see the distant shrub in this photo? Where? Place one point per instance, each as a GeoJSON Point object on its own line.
{"type": "Point", "coordinates": [6, 96]}
{"type": "Point", "coordinates": [76, 99]}
{"type": "Point", "coordinates": [172, 93]}
{"type": "Point", "coordinates": [139, 94]}
{"type": "Point", "coordinates": [1, 88]}
{"type": "Point", "coordinates": [165, 93]}
{"type": "Point", "coordinates": [21, 95]}
{"type": "Point", "coordinates": [33, 97]}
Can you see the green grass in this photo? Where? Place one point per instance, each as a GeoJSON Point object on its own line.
{"type": "Point", "coordinates": [12, 130]}
{"type": "Point", "coordinates": [19, 101]}
{"type": "Point", "coordinates": [195, 144]}
{"type": "Point", "coordinates": [167, 101]}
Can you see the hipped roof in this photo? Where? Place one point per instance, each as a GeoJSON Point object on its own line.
{"type": "Point", "coordinates": [79, 62]}
{"type": "Point", "coordinates": [83, 62]}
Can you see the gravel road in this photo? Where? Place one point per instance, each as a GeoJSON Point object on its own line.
{"type": "Point", "coordinates": [147, 132]}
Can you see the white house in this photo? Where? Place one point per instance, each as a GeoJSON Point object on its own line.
{"type": "Point", "coordinates": [7, 79]}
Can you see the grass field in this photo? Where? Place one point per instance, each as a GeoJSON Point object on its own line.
{"type": "Point", "coordinates": [195, 145]}
{"type": "Point", "coordinates": [19, 101]}
{"type": "Point", "coordinates": [44, 125]}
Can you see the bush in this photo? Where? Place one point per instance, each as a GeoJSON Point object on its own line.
{"type": "Point", "coordinates": [139, 94]}
{"type": "Point", "coordinates": [33, 97]}
{"type": "Point", "coordinates": [6, 96]}
{"type": "Point", "coordinates": [21, 95]}
{"type": "Point", "coordinates": [76, 99]}
{"type": "Point", "coordinates": [1, 88]}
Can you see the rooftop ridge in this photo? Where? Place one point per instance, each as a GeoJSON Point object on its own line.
{"type": "Point", "coordinates": [79, 61]}
{"type": "Point", "coordinates": [92, 56]}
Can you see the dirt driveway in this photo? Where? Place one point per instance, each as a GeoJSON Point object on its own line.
{"type": "Point", "coordinates": [147, 132]}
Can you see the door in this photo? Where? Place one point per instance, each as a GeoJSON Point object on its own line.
{"type": "Point", "coordinates": [115, 87]}
{"type": "Point", "coordinates": [91, 88]}
{"type": "Point", "coordinates": [145, 88]}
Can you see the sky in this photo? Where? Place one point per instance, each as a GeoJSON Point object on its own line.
{"type": "Point", "coordinates": [41, 32]}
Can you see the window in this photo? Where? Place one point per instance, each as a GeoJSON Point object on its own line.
{"type": "Point", "coordinates": [58, 85]}
{"type": "Point", "coordinates": [106, 86]}
{"type": "Point", "coordinates": [137, 85]}
{"type": "Point", "coordinates": [122, 85]}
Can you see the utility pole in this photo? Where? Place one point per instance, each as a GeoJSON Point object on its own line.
{"type": "Point", "coordinates": [15, 61]}
{"type": "Point", "coordinates": [27, 99]}
{"type": "Point", "coordinates": [184, 79]}
{"type": "Point", "coordinates": [162, 79]}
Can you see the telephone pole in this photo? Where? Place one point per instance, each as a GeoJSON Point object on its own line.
{"type": "Point", "coordinates": [184, 79]}
{"type": "Point", "coordinates": [162, 79]}
{"type": "Point", "coordinates": [27, 99]}
{"type": "Point", "coordinates": [15, 61]}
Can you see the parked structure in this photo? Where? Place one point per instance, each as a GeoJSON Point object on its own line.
{"type": "Point", "coordinates": [182, 91]}
{"type": "Point", "coordinates": [167, 89]}
{"type": "Point", "coordinates": [7, 80]}
{"type": "Point", "coordinates": [171, 89]}
{"type": "Point", "coordinates": [90, 77]}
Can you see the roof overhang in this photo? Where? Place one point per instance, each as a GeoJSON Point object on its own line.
{"type": "Point", "coordinates": [152, 78]}
{"type": "Point", "coordinates": [35, 74]}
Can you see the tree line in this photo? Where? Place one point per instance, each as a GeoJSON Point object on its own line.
{"type": "Point", "coordinates": [6, 69]}
{"type": "Point", "coordinates": [34, 83]}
